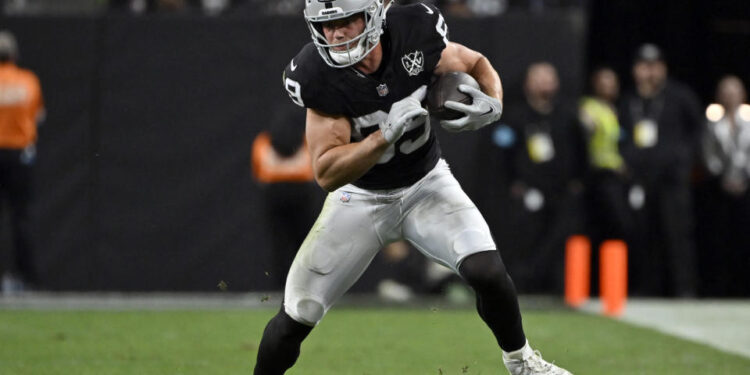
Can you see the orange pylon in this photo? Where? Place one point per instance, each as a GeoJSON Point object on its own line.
{"type": "Point", "coordinates": [613, 276]}
{"type": "Point", "coordinates": [577, 270]}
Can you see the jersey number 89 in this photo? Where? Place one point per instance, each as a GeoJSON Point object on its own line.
{"type": "Point", "coordinates": [295, 91]}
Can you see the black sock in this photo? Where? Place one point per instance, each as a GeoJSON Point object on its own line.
{"type": "Point", "coordinates": [497, 301]}
{"type": "Point", "coordinates": [280, 345]}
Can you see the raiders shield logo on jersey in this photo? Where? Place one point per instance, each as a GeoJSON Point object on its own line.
{"type": "Point", "coordinates": [413, 62]}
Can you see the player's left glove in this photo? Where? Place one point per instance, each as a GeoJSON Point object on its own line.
{"type": "Point", "coordinates": [483, 110]}
{"type": "Point", "coordinates": [404, 114]}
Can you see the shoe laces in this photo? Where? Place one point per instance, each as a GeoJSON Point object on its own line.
{"type": "Point", "coordinates": [537, 363]}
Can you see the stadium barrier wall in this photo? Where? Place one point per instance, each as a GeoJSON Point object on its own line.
{"type": "Point", "coordinates": [142, 178]}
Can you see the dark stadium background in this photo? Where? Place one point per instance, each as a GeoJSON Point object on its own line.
{"type": "Point", "coordinates": [143, 179]}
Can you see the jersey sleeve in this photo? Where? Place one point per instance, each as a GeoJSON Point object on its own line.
{"type": "Point", "coordinates": [420, 26]}
{"type": "Point", "coordinates": [306, 80]}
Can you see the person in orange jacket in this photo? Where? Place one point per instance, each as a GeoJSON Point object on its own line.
{"type": "Point", "coordinates": [21, 108]}
{"type": "Point", "coordinates": [282, 165]}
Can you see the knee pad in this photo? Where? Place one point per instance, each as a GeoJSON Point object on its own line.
{"type": "Point", "coordinates": [305, 310]}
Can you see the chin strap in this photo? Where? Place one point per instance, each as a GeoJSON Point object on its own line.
{"type": "Point", "coordinates": [348, 56]}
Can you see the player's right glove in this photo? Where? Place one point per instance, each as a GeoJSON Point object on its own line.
{"type": "Point", "coordinates": [403, 113]}
{"type": "Point", "coordinates": [483, 110]}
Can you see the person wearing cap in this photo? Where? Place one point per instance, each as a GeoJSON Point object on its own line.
{"type": "Point", "coordinates": [21, 108]}
{"type": "Point", "coordinates": [661, 123]}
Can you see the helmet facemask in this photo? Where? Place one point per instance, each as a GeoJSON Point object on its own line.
{"type": "Point", "coordinates": [316, 13]}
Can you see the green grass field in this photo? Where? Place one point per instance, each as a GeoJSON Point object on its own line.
{"type": "Point", "coordinates": [348, 341]}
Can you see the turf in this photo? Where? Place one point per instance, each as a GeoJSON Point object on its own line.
{"type": "Point", "coordinates": [348, 341]}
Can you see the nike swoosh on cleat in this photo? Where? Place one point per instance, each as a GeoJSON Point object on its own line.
{"type": "Point", "coordinates": [292, 66]}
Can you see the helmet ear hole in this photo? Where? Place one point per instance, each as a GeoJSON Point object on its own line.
{"type": "Point", "coordinates": [318, 27]}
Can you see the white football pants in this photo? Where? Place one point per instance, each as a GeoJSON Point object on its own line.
{"type": "Point", "coordinates": [434, 214]}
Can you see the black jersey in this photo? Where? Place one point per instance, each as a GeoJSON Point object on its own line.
{"type": "Point", "coordinates": [413, 39]}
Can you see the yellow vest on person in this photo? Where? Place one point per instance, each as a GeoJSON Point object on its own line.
{"type": "Point", "coordinates": [603, 133]}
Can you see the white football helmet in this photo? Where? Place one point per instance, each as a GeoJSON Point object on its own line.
{"type": "Point", "coordinates": [319, 11]}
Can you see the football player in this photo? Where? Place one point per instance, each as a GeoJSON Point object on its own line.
{"type": "Point", "coordinates": [362, 80]}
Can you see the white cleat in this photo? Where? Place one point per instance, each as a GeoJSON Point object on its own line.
{"type": "Point", "coordinates": [526, 361]}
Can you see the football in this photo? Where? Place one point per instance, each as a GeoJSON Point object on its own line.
{"type": "Point", "coordinates": [445, 88]}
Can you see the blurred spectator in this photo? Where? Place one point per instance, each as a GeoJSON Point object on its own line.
{"type": "Point", "coordinates": [21, 108]}
{"type": "Point", "coordinates": [171, 5]}
{"type": "Point", "coordinates": [51, 7]}
{"type": "Point", "coordinates": [290, 197]}
{"type": "Point", "coordinates": [210, 7]}
{"type": "Point", "coordinates": [143, 6]}
{"type": "Point", "coordinates": [539, 6]}
{"type": "Point", "coordinates": [724, 207]}
{"type": "Point", "coordinates": [541, 147]}
{"type": "Point", "coordinates": [606, 185]}
{"type": "Point", "coordinates": [726, 140]}
{"type": "Point", "coordinates": [286, 7]}
{"type": "Point", "coordinates": [216, 7]}
{"type": "Point", "coordinates": [455, 8]}
{"type": "Point", "coordinates": [661, 119]}
{"type": "Point", "coordinates": [466, 8]}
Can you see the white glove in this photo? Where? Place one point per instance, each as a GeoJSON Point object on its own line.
{"type": "Point", "coordinates": [483, 110]}
{"type": "Point", "coordinates": [402, 114]}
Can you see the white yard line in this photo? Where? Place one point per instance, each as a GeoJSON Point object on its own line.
{"type": "Point", "coordinates": [722, 324]}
